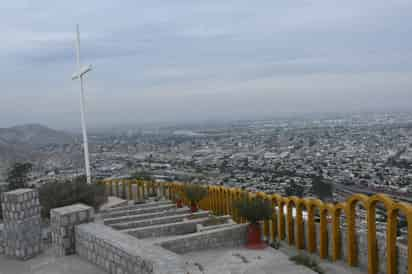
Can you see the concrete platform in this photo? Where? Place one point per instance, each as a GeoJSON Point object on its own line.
{"type": "Point", "coordinates": [113, 202]}
{"type": "Point", "coordinates": [47, 263]}
{"type": "Point", "coordinates": [243, 261]}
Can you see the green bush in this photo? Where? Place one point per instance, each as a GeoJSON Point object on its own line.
{"type": "Point", "coordinates": [194, 193]}
{"type": "Point", "coordinates": [63, 193]}
{"type": "Point", "coordinates": [254, 210]}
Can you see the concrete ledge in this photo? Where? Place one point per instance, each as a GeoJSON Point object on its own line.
{"type": "Point", "coordinates": [160, 220]}
{"type": "Point", "coordinates": [201, 228]}
{"type": "Point", "coordinates": [62, 223]}
{"type": "Point", "coordinates": [22, 223]}
{"type": "Point", "coordinates": [113, 203]}
{"type": "Point", "coordinates": [178, 228]}
{"type": "Point", "coordinates": [137, 206]}
{"type": "Point", "coordinates": [174, 211]}
{"type": "Point", "coordinates": [116, 252]}
{"type": "Point", "coordinates": [1, 240]}
{"type": "Point", "coordinates": [138, 211]}
{"type": "Point", "coordinates": [233, 236]}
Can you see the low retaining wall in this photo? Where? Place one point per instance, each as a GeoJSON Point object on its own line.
{"type": "Point", "coordinates": [62, 223]}
{"type": "Point", "coordinates": [180, 228]}
{"type": "Point", "coordinates": [22, 223]}
{"type": "Point", "coordinates": [116, 252]}
{"type": "Point", "coordinates": [159, 221]}
{"type": "Point", "coordinates": [138, 211]}
{"type": "Point", "coordinates": [137, 206]}
{"type": "Point", "coordinates": [233, 236]}
{"type": "Point", "coordinates": [1, 240]}
{"type": "Point", "coordinates": [145, 216]}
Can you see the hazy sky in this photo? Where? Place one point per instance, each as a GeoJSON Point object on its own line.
{"type": "Point", "coordinates": [197, 60]}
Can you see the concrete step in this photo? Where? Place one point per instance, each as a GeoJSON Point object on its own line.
{"type": "Point", "coordinates": [161, 220]}
{"type": "Point", "coordinates": [113, 203]}
{"type": "Point", "coordinates": [150, 215]}
{"type": "Point", "coordinates": [137, 206]}
{"type": "Point", "coordinates": [171, 229]}
{"type": "Point", "coordinates": [137, 211]}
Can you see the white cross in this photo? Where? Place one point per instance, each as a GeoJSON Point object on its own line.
{"type": "Point", "coordinates": [79, 75]}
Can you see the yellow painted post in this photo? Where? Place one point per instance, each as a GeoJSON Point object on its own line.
{"type": "Point", "coordinates": [108, 187]}
{"type": "Point", "coordinates": [408, 213]}
{"type": "Point", "coordinates": [265, 198]}
{"type": "Point", "coordinates": [323, 249]}
{"type": "Point", "coordinates": [216, 201]}
{"type": "Point", "coordinates": [372, 260]}
{"type": "Point", "coordinates": [281, 222]}
{"type": "Point", "coordinates": [141, 191]}
{"type": "Point", "coordinates": [311, 228]}
{"type": "Point", "coordinates": [391, 230]}
{"type": "Point", "coordinates": [222, 201]}
{"type": "Point", "coordinates": [223, 195]}
{"type": "Point", "coordinates": [231, 203]}
{"type": "Point", "coordinates": [129, 189]}
{"type": "Point", "coordinates": [289, 217]}
{"type": "Point", "coordinates": [227, 202]}
{"type": "Point", "coordinates": [234, 200]}
{"type": "Point", "coordinates": [337, 243]}
{"type": "Point", "coordinates": [219, 201]}
{"type": "Point", "coordinates": [273, 222]}
{"type": "Point", "coordinates": [352, 244]}
{"type": "Point", "coordinates": [299, 225]}
{"type": "Point", "coordinates": [117, 188]}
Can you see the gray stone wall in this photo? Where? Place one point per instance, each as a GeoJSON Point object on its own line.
{"type": "Point", "coordinates": [137, 211]}
{"type": "Point", "coordinates": [116, 252]}
{"type": "Point", "coordinates": [225, 237]}
{"type": "Point", "coordinates": [179, 228]}
{"type": "Point", "coordinates": [161, 220]}
{"type": "Point", "coordinates": [136, 206]}
{"type": "Point", "coordinates": [1, 240]}
{"type": "Point", "coordinates": [22, 223]}
{"type": "Point", "coordinates": [109, 221]}
{"type": "Point", "coordinates": [62, 223]}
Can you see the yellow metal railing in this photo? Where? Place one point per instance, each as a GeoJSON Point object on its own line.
{"type": "Point", "coordinates": [220, 200]}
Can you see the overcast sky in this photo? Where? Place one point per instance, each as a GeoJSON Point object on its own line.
{"type": "Point", "coordinates": [186, 60]}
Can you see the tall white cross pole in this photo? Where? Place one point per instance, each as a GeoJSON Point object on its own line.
{"type": "Point", "coordinates": [79, 75]}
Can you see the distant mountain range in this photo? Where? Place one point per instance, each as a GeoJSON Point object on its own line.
{"type": "Point", "coordinates": [33, 135]}
{"type": "Point", "coordinates": [23, 143]}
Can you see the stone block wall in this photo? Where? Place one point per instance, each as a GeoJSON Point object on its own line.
{"type": "Point", "coordinates": [145, 216]}
{"type": "Point", "coordinates": [116, 252]}
{"type": "Point", "coordinates": [22, 223]}
{"type": "Point", "coordinates": [179, 228]}
{"type": "Point", "coordinates": [138, 211]}
{"type": "Point", "coordinates": [63, 221]}
{"type": "Point", "coordinates": [135, 206]}
{"type": "Point", "coordinates": [1, 240]}
{"type": "Point", "coordinates": [161, 220]}
{"type": "Point", "coordinates": [233, 236]}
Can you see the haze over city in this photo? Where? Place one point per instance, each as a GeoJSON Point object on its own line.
{"type": "Point", "coordinates": [171, 61]}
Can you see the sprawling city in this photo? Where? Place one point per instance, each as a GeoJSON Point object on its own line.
{"type": "Point", "coordinates": [355, 152]}
{"type": "Point", "coordinates": [206, 137]}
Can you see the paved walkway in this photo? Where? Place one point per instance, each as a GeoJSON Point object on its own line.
{"type": "Point", "coordinates": [46, 263]}
{"type": "Point", "coordinates": [243, 261]}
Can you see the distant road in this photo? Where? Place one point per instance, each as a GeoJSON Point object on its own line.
{"type": "Point", "coordinates": [349, 190]}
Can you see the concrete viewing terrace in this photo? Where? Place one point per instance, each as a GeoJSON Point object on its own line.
{"type": "Point", "coordinates": [173, 244]}
{"type": "Point", "coordinates": [150, 234]}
